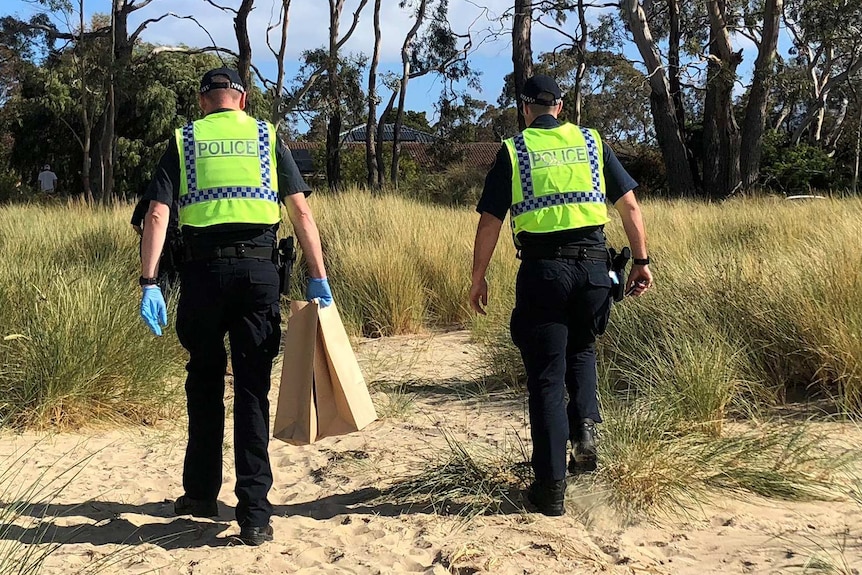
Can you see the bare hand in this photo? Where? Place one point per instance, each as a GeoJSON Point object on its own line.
{"type": "Point", "coordinates": [640, 280]}
{"type": "Point", "coordinates": [479, 296]}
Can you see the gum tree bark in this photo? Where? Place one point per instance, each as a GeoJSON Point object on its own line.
{"type": "Point", "coordinates": [755, 112]}
{"type": "Point", "coordinates": [668, 132]}
{"type": "Point", "coordinates": [522, 51]}
{"type": "Point", "coordinates": [721, 173]}
{"type": "Point", "coordinates": [402, 91]}
{"type": "Point", "coordinates": [370, 127]}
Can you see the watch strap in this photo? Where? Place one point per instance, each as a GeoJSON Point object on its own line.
{"type": "Point", "coordinates": [641, 261]}
{"type": "Point", "coordinates": [142, 281]}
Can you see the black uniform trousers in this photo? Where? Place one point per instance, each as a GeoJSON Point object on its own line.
{"type": "Point", "coordinates": [238, 297]}
{"type": "Point", "coordinates": [561, 305]}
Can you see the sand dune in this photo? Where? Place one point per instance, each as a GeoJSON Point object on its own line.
{"type": "Point", "coordinates": [115, 514]}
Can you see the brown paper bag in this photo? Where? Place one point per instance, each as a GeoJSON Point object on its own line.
{"type": "Point", "coordinates": [322, 390]}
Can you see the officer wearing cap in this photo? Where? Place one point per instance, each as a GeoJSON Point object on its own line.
{"type": "Point", "coordinates": [226, 173]}
{"type": "Point", "coordinates": [554, 180]}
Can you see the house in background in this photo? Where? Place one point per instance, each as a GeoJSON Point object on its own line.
{"type": "Point", "coordinates": [415, 144]}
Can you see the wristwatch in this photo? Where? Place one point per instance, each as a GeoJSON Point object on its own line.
{"type": "Point", "coordinates": [142, 281]}
{"type": "Point", "coordinates": [641, 261]}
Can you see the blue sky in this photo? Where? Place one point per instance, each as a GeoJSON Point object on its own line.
{"type": "Point", "coordinates": [309, 29]}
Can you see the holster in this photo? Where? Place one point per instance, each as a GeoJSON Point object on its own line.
{"type": "Point", "coordinates": [619, 261]}
{"type": "Point", "coordinates": [285, 256]}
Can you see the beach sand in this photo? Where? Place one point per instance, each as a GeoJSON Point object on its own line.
{"type": "Point", "coordinates": [114, 513]}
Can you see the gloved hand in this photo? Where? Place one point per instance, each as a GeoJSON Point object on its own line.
{"type": "Point", "coordinates": [153, 309]}
{"type": "Point", "coordinates": [318, 288]}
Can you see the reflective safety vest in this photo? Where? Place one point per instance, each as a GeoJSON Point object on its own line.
{"type": "Point", "coordinates": [558, 180]}
{"type": "Point", "coordinates": [227, 171]}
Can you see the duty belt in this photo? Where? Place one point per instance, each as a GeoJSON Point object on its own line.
{"type": "Point", "coordinates": [566, 252]}
{"type": "Point", "coordinates": [234, 251]}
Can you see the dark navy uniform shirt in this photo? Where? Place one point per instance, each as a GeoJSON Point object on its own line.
{"type": "Point", "coordinates": [165, 188]}
{"type": "Point", "coordinates": [497, 195]}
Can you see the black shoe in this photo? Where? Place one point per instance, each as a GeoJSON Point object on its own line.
{"type": "Point", "coordinates": [185, 505]}
{"type": "Point", "coordinates": [584, 455]}
{"type": "Point", "coordinates": [548, 497]}
{"type": "Point", "coordinates": [255, 535]}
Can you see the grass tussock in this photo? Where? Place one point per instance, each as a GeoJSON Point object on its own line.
{"type": "Point", "coordinates": [17, 497]}
{"type": "Point", "coordinates": [757, 300]}
{"type": "Point", "coordinates": [651, 461]}
{"type": "Point", "coordinates": [72, 347]}
{"type": "Point", "coordinates": [465, 480]}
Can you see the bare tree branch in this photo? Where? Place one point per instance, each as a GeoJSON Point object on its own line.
{"type": "Point", "coordinates": [190, 51]}
{"type": "Point", "coordinates": [220, 7]}
{"type": "Point", "coordinates": [130, 5]}
{"type": "Point", "coordinates": [143, 25]}
{"type": "Point", "coordinates": [350, 31]}
{"type": "Point", "coordinates": [556, 29]}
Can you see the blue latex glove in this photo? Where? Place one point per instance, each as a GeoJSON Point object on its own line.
{"type": "Point", "coordinates": [153, 309]}
{"type": "Point", "coordinates": [318, 288]}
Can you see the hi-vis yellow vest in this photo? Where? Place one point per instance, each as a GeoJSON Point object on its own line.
{"type": "Point", "coordinates": [227, 171]}
{"type": "Point", "coordinates": [558, 180]}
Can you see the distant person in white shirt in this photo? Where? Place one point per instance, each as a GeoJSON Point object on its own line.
{"type": "Point", "coordinates": [47, 180]}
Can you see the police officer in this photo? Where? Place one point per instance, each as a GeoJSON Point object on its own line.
{"type": "Point", "coordinates": [227, 173]}
{"type": "Point", "coordinates": [554, 180]}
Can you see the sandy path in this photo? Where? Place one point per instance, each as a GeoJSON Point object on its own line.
{"type": "Point", "coordinates": [115, 514]}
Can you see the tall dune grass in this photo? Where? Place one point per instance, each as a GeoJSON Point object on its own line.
{"type": "Point", "coordinates": [756, 300]}
{"type": "Point", "coordinates": [754, 297]}
{"type": "Point", "coordinates": [72, 347]}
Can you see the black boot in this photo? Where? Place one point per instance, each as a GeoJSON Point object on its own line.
{"type": "Point", "coordinates": [584, 455]}
{"type": "Point", "coordinates": [185, 505]}
{"type": "Point", "coordinates": [255, 536]}
{"type": "Point", "coordinates": [548, 496]}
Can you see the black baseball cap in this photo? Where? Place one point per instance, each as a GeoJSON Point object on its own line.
{"type": "Point", "coordinates": [541, 84]}
{"type": "Point", "coordinates": [209, 82]}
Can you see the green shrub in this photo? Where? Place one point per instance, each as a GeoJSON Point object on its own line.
{"type": "Point", "coordinates": [457, 185]}
{"type": "Point", "coordinates": [796, 169]}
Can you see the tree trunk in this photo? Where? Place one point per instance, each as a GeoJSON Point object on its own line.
{"type": "Point", "coordinates": [582, 63]}
{"type": "Point", "coordinates": [276, 113]}
{"type": "Point", "coordinates": [755, 111]}
{"type": "Point", "coordinates": [855, 185]}
{"type": "Point", "coordinates": [402, 92]}
{"type": "Point", "coordinates": [673, 60]}
{"type": "Point", "coordinates": [85, 164]}
{"type": "Point", "coordinates": [379, 147]}
{"type": "Point", "coordinates": [721, 172]}
{"type": "Point", "coordinates": [86, 137]}
{"type": "Point", "coordinates": [522, 51]}
{"type": "Point", "coordinates": [673, 63]}
{"type": "Point", "coordinates": [333, 150]}
{"type": "Point", "coordinates": [370, 163]}
{"type": "Point", "coordinates": [838, 129]}
{"type": "Point", "coordinates": [333, 130]}
{"type": "Point", "coordinates": [240, 24]}
{"type": "Point", "coordinates": [106, 148]}
{"type": "Point", "coordinates": [818, 109]}
{"type": "Point", "coordinates": [668, 133]}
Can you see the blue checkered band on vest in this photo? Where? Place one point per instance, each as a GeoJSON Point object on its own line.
{"type": "Point", "coordinates": [524, 167]}
{"type": "Point", "coordinates": [227, 193]}
{"type": "Point", "coordinates": [189, 155]}
{"type": "Point", "coordinates": [532, 202]}
{"type": "Point", "coordinates": [194, 196]}
{"type": "Point", "coordinates": [593, 154]}
{"type": "Point", "coordinates": [263, 152]}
